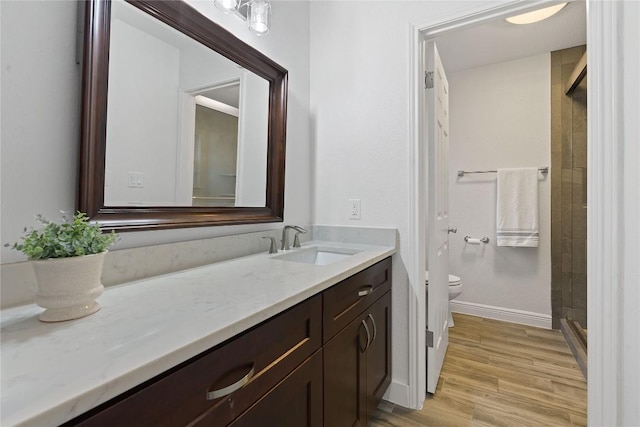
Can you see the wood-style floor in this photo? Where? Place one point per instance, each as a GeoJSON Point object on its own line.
{"type": "Point", "coordinates": [500, 374]}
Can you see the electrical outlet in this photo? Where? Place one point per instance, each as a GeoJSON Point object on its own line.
{"type": "Point", "coordinates": [354, 209]}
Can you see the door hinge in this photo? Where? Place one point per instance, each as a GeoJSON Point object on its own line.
{"type": "Point", "coordinates": [428, 79]}
{"type": "Point", "coordinates": [429, 338]}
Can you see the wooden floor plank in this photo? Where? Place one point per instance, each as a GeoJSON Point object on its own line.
{"type": "Point", "coordinates": [550, 334]}
{"type": "Point", "coordinates": [543, 397]}
{"type": "Point", "coordinates": [571, 377]}
{"type": "Point", "coordinates": [578, 420]}
{"type": "Point", "coordinates": [500, 374]}
{"type": "Point", "coordinates": [490, 415]}
{"type": "Point", "coordinates": [500, 371]}
{"type": "Point", "coordinates": [444, 418]}
{"type": "Point", "coordinates": [541, 413]}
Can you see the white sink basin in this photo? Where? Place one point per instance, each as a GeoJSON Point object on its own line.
{"type": "Point", "coordinates": [317, 255]}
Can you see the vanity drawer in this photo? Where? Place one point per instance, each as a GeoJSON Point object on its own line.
{"type": "Point", "coordinates": [203, 387]}
{"type": "Point", "coordinates": [344, 301]}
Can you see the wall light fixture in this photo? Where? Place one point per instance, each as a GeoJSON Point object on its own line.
{"type": "Point", "coordinates": [257, 13]}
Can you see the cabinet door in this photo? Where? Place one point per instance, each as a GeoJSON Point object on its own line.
{"type": "Point", "coordinates": [294, 402]}
{"type": "Point", "coordinates": [345, 402]}
{"type": "Point", "coordinates": [379, 352]}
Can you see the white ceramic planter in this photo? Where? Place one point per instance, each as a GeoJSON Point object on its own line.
{"type": "Point", "coordinates": [68, 287]}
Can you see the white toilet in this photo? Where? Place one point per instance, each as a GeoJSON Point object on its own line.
{"type": "Point", "coordinates": [455, 289]}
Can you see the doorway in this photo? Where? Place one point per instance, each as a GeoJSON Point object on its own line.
{"type": "Point", "coordinates": [612, 30]}
{"type": "Point", "coordinates": [422, 35]}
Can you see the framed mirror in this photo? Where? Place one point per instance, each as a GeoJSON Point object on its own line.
{"type": "Point", "coordinates": [182, 125]}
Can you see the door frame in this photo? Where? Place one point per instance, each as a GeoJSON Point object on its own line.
{"type": "Point", "coordinates": [605, 228]}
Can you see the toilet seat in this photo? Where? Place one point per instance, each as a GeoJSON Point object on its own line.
{"type": "Point", "coordinates": [453, 280]}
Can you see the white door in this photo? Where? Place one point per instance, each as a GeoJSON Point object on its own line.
{"type": "Point", "coordinates": [437, 119]}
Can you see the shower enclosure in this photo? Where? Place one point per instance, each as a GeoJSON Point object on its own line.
{"type": "Point", "coordinates": [569, 196]}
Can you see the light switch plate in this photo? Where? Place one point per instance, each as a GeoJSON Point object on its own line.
{"type": "Point", "coordinates": [136, 179]}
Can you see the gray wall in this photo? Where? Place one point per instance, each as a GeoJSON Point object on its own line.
{"type": "Point", "coordinates": [501, 123]}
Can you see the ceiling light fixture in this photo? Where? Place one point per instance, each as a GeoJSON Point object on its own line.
{"type": "Point", "coordinates": [534, 16]}
{"type": "Point", "coordinates": [257, 14]}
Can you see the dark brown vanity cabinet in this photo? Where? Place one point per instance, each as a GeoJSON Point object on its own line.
{"type": "Point", "coordinates": [278, 373]}
{"type": "Point", "coordinates": [357, 360]}
{"type": "Point", "coordinates": [216, 387]}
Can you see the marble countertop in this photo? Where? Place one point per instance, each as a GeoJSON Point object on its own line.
{"type": "Point", "coordinates": [52, 372]}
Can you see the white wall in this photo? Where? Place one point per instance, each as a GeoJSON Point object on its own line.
{"type": "Point", "coordinates": [142, 117]}
{"type": "Point", "coordinates": [500, 117]}
{"type": "Point", "coordinates": [253, 126]}
{"type": "Point", "coordinates": [40, 115]}
{"type": "Point", "coordinates": [201, 68]}
{"type": "Point", "coordinates": [629, 315]}
{"type": "Point", "coordinates": [630, 229]}
{"type": "Point", "coordinates": [361, 56]}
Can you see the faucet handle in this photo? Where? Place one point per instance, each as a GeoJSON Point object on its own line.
{"type": "Point", "coordinates": [296, 237]}
{"type": "Point", "coordinates": [272, 247]}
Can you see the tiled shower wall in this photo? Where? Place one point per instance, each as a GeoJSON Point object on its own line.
{"type": "Point", "coordinates": [568, 191]}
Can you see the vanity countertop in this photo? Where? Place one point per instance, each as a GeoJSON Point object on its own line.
{"type": "Point", "coordinates": [52, 372]}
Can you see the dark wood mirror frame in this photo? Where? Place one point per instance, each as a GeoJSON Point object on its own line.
{"type": "Point", "coordinates": [91, 178]}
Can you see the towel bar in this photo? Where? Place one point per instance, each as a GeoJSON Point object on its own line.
{"type": "Point", "coordinates": [544, 170]}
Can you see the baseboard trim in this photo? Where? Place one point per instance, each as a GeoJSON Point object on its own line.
{"type": "Point", "coordinates": [500, 313]}
{"type": "Point", "coordinates": [398, 393]}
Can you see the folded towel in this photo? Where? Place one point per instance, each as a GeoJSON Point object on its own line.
{"type": "Point", "coordinates": [517, 207]}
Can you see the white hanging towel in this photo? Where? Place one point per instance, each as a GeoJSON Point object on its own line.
{"type": "Point", "coordinates": [517, 207]}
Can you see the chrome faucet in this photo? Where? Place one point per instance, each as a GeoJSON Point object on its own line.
{"type": "Point", "coordinates": [285, 237]}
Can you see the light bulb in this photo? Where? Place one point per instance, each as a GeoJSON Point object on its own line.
{"type": "Point", "coordinates": [227, 6]}
{"type": "Point", "coordinates": [259, 17]}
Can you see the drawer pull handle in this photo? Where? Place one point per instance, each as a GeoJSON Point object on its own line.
{"type": "Point", "coordinates": [366, 329]}
{"type": "Point", "coordinates": [375, 329]}
{"type": "Point", "coordinates": [365, 291]}
{"type": "Point", "coordinates": [224, 391]}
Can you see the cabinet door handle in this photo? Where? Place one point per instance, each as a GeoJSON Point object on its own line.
{"type": "Point", "coordinates": [366, 329]}
{"type": "Point", "coordinates": [365, 291]}
{"type": "Point", "coordinates": [375, 329]}
{"type": "Point", "coordinates": [225, 391]}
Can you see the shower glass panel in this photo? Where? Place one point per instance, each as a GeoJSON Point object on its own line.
{"type": "Point", "coordinates": [569, 190]}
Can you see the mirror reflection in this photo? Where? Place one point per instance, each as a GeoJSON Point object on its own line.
{"type": "Point", "coordinates": [185, 125]}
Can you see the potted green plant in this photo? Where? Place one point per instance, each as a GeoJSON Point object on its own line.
{"type": "Point", "coordinates": [67, 260]}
